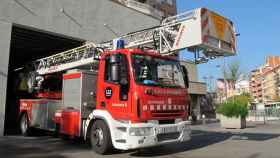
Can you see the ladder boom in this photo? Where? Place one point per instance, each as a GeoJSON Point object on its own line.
{"type": "Point", "coordinates": [199, 30]}
{"type": "Point", "coordinates": [80, 56]}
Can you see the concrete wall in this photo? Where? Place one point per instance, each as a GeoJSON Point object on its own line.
{"type": "Point", "coordinates": [196, 87]}
{"type": "Point", "coordinates": [81, 19]}
{"type": "Point", "coordinates": [192, 70]}
{"type": "Point", "coordinates": [5, 33]}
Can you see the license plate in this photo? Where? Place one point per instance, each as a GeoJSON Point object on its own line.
{"type": "Point", "coordinates": [167, 129]}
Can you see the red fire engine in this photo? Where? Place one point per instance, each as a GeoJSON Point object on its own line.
{"type": "Point", "coordinates": [127, 93]}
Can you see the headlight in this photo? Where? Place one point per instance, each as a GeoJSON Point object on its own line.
{"type": "Point", "coordinates": [141, 131]}
{"type": "Point", "coordinates": [178, 120]}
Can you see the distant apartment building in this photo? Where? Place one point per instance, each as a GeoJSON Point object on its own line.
{"type": "Point", "coordinates": [272, 62]}
{"type": "Point", "coordinates": [156, 8]}
{"type": "Point", "coordinates": [256, 85]}
{"type": "Point", "coordinates": [264, 81]}
{"type": "Point", "coordinates": [271, 85]}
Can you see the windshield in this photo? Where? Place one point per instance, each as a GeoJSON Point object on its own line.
{"type": "Point", "coordinates": [154, 71]}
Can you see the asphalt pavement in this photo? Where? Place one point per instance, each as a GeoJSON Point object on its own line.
{"type": "Point", "coordinates": [208, 141]}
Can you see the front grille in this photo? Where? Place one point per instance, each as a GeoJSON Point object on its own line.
{"type": "Point", "coordinates": [168, 136]}
{"type": "Point", "coordinates": [162, 122]}
{"type": "Point", "coordinates": [167, 113]}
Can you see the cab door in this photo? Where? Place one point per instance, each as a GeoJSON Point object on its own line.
{"type": "Point", "coordinates": [115, 94]}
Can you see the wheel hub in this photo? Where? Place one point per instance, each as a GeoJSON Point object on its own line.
{"type": "Point", "coordinates": [99, 136]}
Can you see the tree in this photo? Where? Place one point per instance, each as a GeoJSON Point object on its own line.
{"type": "Point", "coordinates": [244, 99]}
{"type": "Point", "coordinates": [233, 109]}
{"type": "Point", "coordinates": [231, 74]}
{"type": "Point", "coordinates": [232, 71]}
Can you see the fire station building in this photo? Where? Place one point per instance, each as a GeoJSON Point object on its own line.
{"type": "Point", "coordinates": [37, 28]}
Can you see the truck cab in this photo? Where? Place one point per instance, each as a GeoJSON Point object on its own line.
{"type": "Point", "coordinates": [143, 98]}
{"type": "Point", "coordinates": [141, 86]}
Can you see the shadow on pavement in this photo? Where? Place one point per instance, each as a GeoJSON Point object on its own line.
{"type": "Point", "coordinates": [48, 146]}
{"type": "Point", "coordinates": [199, 139]}
{"type": "Point", "coordinates": [39, 147]}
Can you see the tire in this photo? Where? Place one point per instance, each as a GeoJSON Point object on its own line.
{"type": "Point", "coordinates": [25, 125]}
{"type": "Point", "coordinates": [100, 137]}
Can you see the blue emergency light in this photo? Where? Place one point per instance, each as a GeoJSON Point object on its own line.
{"type": "Point", "coordinates": [120, 44]}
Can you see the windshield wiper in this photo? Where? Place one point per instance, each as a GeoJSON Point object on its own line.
{"type": "Point", "coordinates": [172, 86]}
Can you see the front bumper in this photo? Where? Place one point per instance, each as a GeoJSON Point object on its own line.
{"type": "Point", "coordinates": [124, 140]}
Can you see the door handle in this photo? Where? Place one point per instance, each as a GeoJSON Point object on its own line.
{"type": "Point", "coordinates": [103, 104]}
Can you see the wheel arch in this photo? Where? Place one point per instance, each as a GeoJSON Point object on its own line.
{"type": "Point", "coordinates": [104, 116]}
{"type": "Point", "coordinates": [87, 136]}
{"type": "Point", "coordinates": [94, 116]}
{"type": "Point", "coordinates": [24, 131]}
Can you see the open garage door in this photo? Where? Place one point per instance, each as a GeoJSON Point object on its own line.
{"type": "Point", "coordinates": [28, 44]}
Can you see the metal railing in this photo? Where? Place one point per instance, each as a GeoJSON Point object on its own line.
{"type": "Point", "coordinates": [264, 115]}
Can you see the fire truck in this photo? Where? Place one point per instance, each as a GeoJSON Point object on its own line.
{"type": "Point", "coordinates": [127, 93]}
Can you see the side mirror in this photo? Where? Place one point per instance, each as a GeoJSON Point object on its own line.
{"type": "Point", "coordinates": [186, 76]}
{"type": "Point", "coordinates": [118, 69]}
{"type": "Point", "coordinates": [115, 72]}
{"type": "Point", "coordinates": [115, 67]}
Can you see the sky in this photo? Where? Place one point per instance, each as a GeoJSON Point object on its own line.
{"type": "Point", "coordinates": [257, 21]}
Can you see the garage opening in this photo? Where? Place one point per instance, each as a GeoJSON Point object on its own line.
{"type": "Point", "coordinates": [28, 44]}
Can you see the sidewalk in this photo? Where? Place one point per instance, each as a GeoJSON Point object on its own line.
{"type": "Point", "coordinates": [270, 127]}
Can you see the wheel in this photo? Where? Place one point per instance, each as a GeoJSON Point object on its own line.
{"type": "Point", "coordinates": [100, 137]}
{"type": "Point", "coordinates": [24, 125]}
